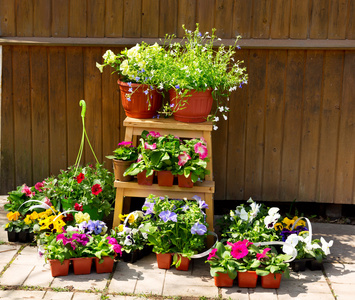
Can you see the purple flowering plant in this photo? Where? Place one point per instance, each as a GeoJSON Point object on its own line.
{"type": "Point", "coordinates": [175, 226]}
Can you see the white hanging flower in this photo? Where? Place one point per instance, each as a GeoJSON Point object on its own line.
{"type": "Point", "coordinates": [326, 246]}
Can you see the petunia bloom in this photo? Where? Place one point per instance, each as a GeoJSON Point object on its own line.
{"type": "Point", "coordinates": [201, 150]}
{"type": "Point", "coordinates": [80, 178]}
{"type": "Point", "coordinates": [239, 250]}
{"type": "Point", "coordinates": [199, 229]}
{"type": "Point", "coordinates": [155, 134]}
{"type": "Point", "coordinates": [150, 147]}
{"type": "Point", "coordinates": [78, 207]}
{"type": "Point", "coordinates": [212, 254]}
{"type": "Point", "coordinates": [167, 215]}
{"type": "Point", "coordinates": [259, 256]}
{"type": "Point", "coordinates": [183, 158]}
{"type": "Point", "coordinates": [39, 186]}
{"type": "Point", "coordinates": [96, 189]}
{"type": "Point", "coordinates": [124, 144]}
{"type": "Point", "coordinates": [26, 190]}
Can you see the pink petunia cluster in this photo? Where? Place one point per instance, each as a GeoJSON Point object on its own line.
{"type": "Point", "coordinates": [39, 186]}
{"type": "Point", "coordinates": [115, 246]}
{"type": "Point", "coordinates": [77, 238]}
{"type": "Point", "coordinates": [155, 134]}
{"type": "Point", "coordinates": [150, 147]}
{"type": "Point", "coordinates": [240, 249]}
{"type": "Point", "coordinates": [26, 190]}
{"type": "Point", "coordinates": [212, 254]}
{"type": "Point", "coordinates": [201, 149]}
{"type": "Point", "coordinates": [125, 144]}
{"type": "Point", "coordinates": [183, 158]}
{"type": "Point", "coordinates": [259, 256]}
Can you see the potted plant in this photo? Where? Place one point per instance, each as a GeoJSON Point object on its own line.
{"type": "Point", "coordinates": [137, 70]}
{"type": "Point", "coordinates": [122, 158]}
{"type": "Point", "coordinates": [223, 266]}
{"type": "Point", "coordinates": [196, 72]}
{"type": "Point", "coordinates": [192, 162]}
{"type": "Point", "coordinates": [175, 227]}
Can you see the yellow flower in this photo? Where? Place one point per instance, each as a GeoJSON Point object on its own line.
{"type": "Point", "coordinates": [122, 217]}
{"type": "Point", "coordinates": [34, 216]}
{"type": "Point", "coordinates": [80, 217]}
{"type": "Point", "coordinates": [288, 223]}
{"type": "Point", "coordinates": [124, 67]}
{"type": "Point", "coordinates": [7, 225]}
{"type": "Point", "coordinates": [300, 222]}
{"type": "Point", "coordinates": [278, 226]}
{"type": "Point", "coordinates": [109, 57]}
{"type": "Point", "coordinates": [131, 219]}
{"type": "Point", "coordinates": [13, 216]}
{"type": "Point", "coordinates": [120, 227]}
{"type": "Point", "coordinates": [28, 220]}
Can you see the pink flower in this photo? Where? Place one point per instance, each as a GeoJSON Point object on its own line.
{"type": "Point", "coordinates": [115, 246]}
{"type": "Point", "coordinates": [154, 134]}
{"type": "Point", "coordinates": [39, 186]}
{"type": "Point", "coordinates": [244, 242]}
{"type": "Point", "coordinates": [239, 250]}
{"type": "Point", "coordinates": [183, 158]}
{"type": "Point", "coordinates": [26, 190]}
{"type": "Point", "coordinates": [124, 143]}
{"type": "Point", "coordinates": [140, 157]}
{"type": "Point", "coordinates": [96, 189]}
{"type": "Point", "coordinates": [151, 147]}
{"type": "Point", "coordinates": [212, 254]}
{"type": "Point", "coordinates": [47, 201]}
{"type": "Point", "coordinates": [262, 255]}
{"type": "Point", "coordinates": [201, 150]}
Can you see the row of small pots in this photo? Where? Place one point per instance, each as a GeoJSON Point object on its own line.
{"type": "Point", "coordinates": [249, 279]}
{"type": "Point", "coordinates": [24, 236]}
{"type": "Point", "coordinates": [81, 265]}
{"type": "Point", "coordinates": [164, 261]}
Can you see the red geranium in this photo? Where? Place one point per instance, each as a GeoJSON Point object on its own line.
{"type": "Point", "coordinates": [78, 207]}
{"type": "Point", "coordinates": [96, 189]}
{"type": "Point", "coordinates": [80, 178]}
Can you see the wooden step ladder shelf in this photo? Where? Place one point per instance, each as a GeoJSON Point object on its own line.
{"type": "Point", "coordinates": [205, 189]}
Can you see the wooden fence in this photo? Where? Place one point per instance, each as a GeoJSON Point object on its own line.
{"type": "Point", "coordinates": [290, 133]}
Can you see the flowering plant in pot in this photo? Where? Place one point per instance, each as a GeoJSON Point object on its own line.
{"type": "Point", "coordinates": [196, 65]}
{"type": "Point", "coordinates": [122, 158]}
{"type": "Point", "coordinates": [137, 70]}
{"type": "Point", "coordinates": [175, 226]}
{"type": "Point", "coordinates": [253, 222]}
{"type": "Point", "coordinates": [223, 266]}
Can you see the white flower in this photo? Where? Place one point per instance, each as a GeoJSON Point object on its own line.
{"type": "Point", "coordinates": [128, 241]}
{"type": "Point", "coordinates": [225, 117]}
{"type": "Point", "coordinates": [272, 217]}
{"type": "Point", "coordinates": [326, 246]}
{"type": "Point", "coordinates": [290, 244]}
{"type": "Point", "coordinates": [243, 214]}
{"type": "Point", "coordinates": [215, 127]}
{"type": "Point", "coordinates": [134, 231]}
{"type": "Point", "coordinates": [254, 209]}
{"type": "Point", "coordinates": [216, 119]}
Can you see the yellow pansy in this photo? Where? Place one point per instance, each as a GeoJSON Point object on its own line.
{"type": "Point", "coordinates": [80, 217]}
{"type": "Point", "coordinates": [131, 219]}
{"type": "Point", "coordinates": [120, 227]}
{"type": "Point", "coordinates": [7, 225]}
{"type": "Point", "coordinates": [27, 220]}
{"type": "Point", "coordinates": [13, 216]}
{"type": "Point", "coordinates": [288, 223]}
{"type": "Point", "coordinates": [34, 215]}
{"type": "Point", "coordinates": [300, 222]}
{"type": "Point", "coordinates": [122, 217]}
{"type": "Point", "coordinates": [278, 226]}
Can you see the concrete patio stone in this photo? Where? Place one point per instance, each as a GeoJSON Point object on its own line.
{"type": "Point", "coordinates": [21, 295]}
{"type": "Point", "coordinates": [343, 291]}
{"type": "Point", "coordinates": [150, 282]}
{"type": "Point", "coordinates": [266, 294]}
{"type": "Point", "coordinates": [235, 292]}
{"type": "Point", "coordinates": [86, 296]}
{"type": "Point", "coordinates": [58, 295]}
{"type": "Point", "coordinates": [340, 273]}
{"type": "Point", "coordinates": [16, 274]}
{"type": "Point", "coordinates": [40, 276]}
{"type": "Point", "coordinates": [190, 290]}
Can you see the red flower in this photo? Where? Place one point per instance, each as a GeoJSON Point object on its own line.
{"type": "Point", "coordinates": [68, 218]}
{"type": "Point", "coordinates": [80, 178]}
{"type": "Point", "coordinates": [96, 189]}
{"type": "Point", "coordinates": [78, 207]}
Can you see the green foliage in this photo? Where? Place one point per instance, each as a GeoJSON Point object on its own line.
{"type": "Point", "coordinates": [125, 151]}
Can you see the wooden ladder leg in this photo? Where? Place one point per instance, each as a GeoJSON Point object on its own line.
{"type": "Point", "coordinates": [118, 207]}
{"type": "Point", "coordinates": [209, 218]}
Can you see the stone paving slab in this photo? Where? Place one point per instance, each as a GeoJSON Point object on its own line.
{"type": "Point", "coordinates": [21, 295]}
{"type": "Point", "coordinates": [340, 273]}
{"type": "Point", "coordinates": [58, 295]}
{"type": "Point", "coordinates": [86, 296]}
{"type": "Point", "coordinates": [343, 291]}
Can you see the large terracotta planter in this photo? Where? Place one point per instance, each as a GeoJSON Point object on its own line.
{"type": "Point", "coordinates": [143, 179]}
{"type": "Point", "coordinates": [119, 167]}
{"type": "Point", "coordinates": [82, 265]}
{"type": "Point", "coordinates": [271, 281]}
{"type": "Point", "coordinates": [106, 266]}
{"type": "Point", "coordinates": [223, 280]}
{"type": "Point", "coordinates": [164, 260]}
{"type": "Point", "coordinates": [185, 182]}
{"type": "Point", "coordinates": [138, 106]}
{"type": "Point", "coordinates": [58, 268]}
{"type": "Point", "coordinates": [197, 108]}
{"type": "Point", "coordinates": [184, 263]}
{"type": "Point", "coordinates": [247, 279]}
{"type": "Point", "coordinates": [165, 178]}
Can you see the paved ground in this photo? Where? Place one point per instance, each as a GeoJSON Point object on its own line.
{"type": "Point", "coordinates": [26, 276]}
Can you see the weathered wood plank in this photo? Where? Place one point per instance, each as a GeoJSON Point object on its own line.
{"type": "Point", "coordinates": [39, 109]}
{"type": "Point", "coordinates": [254, 156]}
{"type": "Point", "coordinates": [261, 19]}
{"type": "Point", "coordinates": [337, 19]}
{"type": "Point", "coordinates": [150, 21]}
{"type": "Point", "coordinates": [319, 19]}
{"type": "Point", "coordinates": [276, 74]}
{"type": "Point", "coordinates": [224, 18]}
{"type": "Point", "coordinates": [292, 126]}
{"type": "Point", "coordinates": [299, 20]}
{"type": "Point", "coordinates": [57, 110]}
{"type": "Point", "coordinates": [205, 13]}
{"type": "Point", "coordinates": [329, 131]}
{"type": "Point", "coordinates": [350, 34]}
{"type": "Point", "coordinates": [7, 18]}
{"type": "Point", "coordinates": [132, 18]}
{"type": "Point", "coordinates": [242, 14]}
{"type": "Point", "coordinates": [280, 25]}
{"type": "Point", "coordinates": [310, 126]}
{"type": "Point", "coordinates": [114, 18]}
{"type": "Point", "coordinates": [96, 18]}
{"type": "Point", "coordinates": [168, 17]}
{"type": "Point", "coordinates": [60, 18]}
{"type": "Point", "coordinates": [344, 189]}
{"type": "Point", "coordinates": [24, 18]}
{"type": "Point", "coordinates": [7, 151]}
{"type": "Point", "coordinates": [75, 93]}
{"type": "Point", "coordinates": [22, 116]}
{"type": "Point", "coordinates": [186, 16]}
{"type": "Point", "coordinates": [41, 18]}
{"type": "Point", "coordinates": [77, 18]}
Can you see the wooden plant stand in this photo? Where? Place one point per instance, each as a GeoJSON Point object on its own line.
{"type": "Point", "coordinates": [205, 190]}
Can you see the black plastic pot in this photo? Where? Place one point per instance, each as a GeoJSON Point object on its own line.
{"type": "Point", "coordinates": [131, 257]}
{"type": "Point", "coordinates": [12, 236]}
{"type": "Point", "coordinates": [314, 265]}
{"type": "Point", "coordinates": [298, 265]}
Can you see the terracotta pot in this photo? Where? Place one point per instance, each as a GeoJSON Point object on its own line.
{"type": "Point", "coordinates": [82, 265]}
{"type": "Point", "coordinates": [58, 268]}
{"type": "Point", "coordinates": [184, 264]}
{"type": "Point", "coordinates": [165, 178]}
{"type": "Point", "coordinates": [196, 110]}
{"type": "Point", "coordinates": [106, 266]}
{"type": "Point", "coordinates": [138, 107]}
{"type": "Point", "coordinates": [185, 182]}
{"type": "Point", "coordinates": [223, 280]}
{"type": "Point", "coordinates": [12, 236]}
{"type": "Point", "coordinates": [247, 279]}
{"type": "Point", "coordinates": [271, 281]}
{"type": "Point", "coordinates": [164, 260]}
{"type": "Point", "coordinates": [143, 179]}
{"type": "Point", "coordinates": [119, 167]}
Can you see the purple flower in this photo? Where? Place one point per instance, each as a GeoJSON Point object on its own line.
{"type": "Point", "coordinates": [199, 229]}
{"type": "Point", "coordinates": [177, 86]}
{"type": "Point", "coordinates": [201, 203]}
{"type": "Point", "coordinates": [149, 207]}
{"type": "Point", "coordinates": [95, 226]}
{"type": "Point", "coordinates": [81, 238]}
{"type": "Point", "coordinates": [168, 216]}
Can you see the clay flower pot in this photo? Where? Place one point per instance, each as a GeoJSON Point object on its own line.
{"type": "Point", "coordinates": [184, 264]}
{"type": "Point", "coordinates": [119, 167]}
{"type": "Point", "coordinates": [185, 182]}
{"type": "Point", "coordinates": [106, 266]}
{"type": "Point", "coordinates": [143, 179]}
{"type": "Point", "coordinates": [82, 265]}
{"type": "Point", "coordinates": [58, 268]}
{"type": "Point", "coordinates": [247, 279]}
{"type": "Point", "coordinates": [164, 260]}
{"type": "Point", "coordinates": [165, 178]}
{"type": "Point", "coordinates": [223, 280]}
{"type": "Point", "coordinates": [271, 281]}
